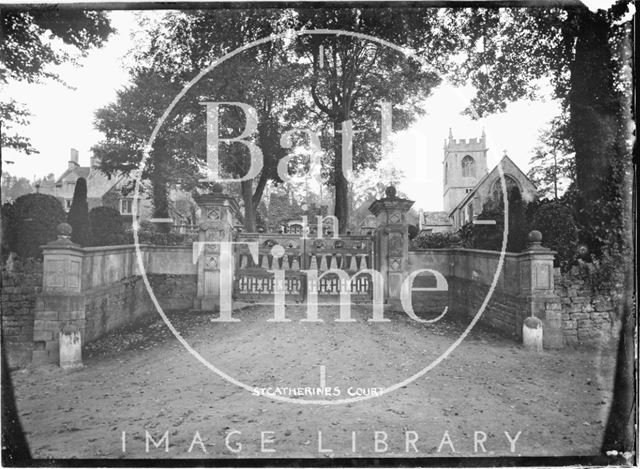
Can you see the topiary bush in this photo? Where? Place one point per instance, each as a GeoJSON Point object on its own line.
{"type": "Point", "coordinates": [34, 218]}
{"type": "Point", "coordinates": [107, 227]}
{"type": "Point", "coordinates": [78, 216]}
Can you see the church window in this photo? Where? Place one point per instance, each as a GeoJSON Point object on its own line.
{"type": "Point", "coordinates": [468, 167]}
{"type": "Point", "coordinates": [513, 189]}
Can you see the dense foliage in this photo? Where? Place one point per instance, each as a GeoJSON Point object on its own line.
{"type": "Point", "coordinates": [107, 227]}
{"type": "Point", "coordinates": [555, 220]}
{"type": "Point", "coordinates": [490, 237]}
{"type": "Point", "coordinates": [31, 221]}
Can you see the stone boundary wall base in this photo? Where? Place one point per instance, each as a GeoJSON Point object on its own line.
{"type": "Point", "coordinates": [100, 310]}
{"type": "Point", "coordinates": [588, 314]}
{"type": "Point", "coordinates": [55, 314]}
{"type": "Point", "coordinates": [524, 287]}
{"type": "Point", "coordinates": [504, 312]}
{"type": "Point", "coordinates": [21, 283]}
{"type": "Point", "coordinates": [95, 290]}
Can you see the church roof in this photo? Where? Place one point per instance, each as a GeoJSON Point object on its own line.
{"type": "Point", "coordinates": [491, 173]}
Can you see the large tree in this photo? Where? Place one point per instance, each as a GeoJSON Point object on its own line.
{"type": "Point", "coordinates": [351, 77]}
{"type": "Point", "coordinates": [180, 46]}
{"type": "Point", "coordinates": [28, 48]}
{"type": "Point", "coordinates": [127, 125]}
{"type": "Point", "coordinates": [552, 166]}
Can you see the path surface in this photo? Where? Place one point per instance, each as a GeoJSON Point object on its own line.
{"type": "Point", "coordinates": [143, 380]}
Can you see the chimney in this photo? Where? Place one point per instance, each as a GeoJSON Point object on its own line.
{"type": "Point", "coordinates": [73, 159]}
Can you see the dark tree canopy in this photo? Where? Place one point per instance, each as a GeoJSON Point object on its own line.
{"type": "Point", "coordinates": [34, 218]}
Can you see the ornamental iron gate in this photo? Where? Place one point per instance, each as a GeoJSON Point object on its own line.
{"type": "Point", "coordinates": [255, 279]}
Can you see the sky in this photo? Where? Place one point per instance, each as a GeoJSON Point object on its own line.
{"type": "Point", "coordinates": [63, 119]}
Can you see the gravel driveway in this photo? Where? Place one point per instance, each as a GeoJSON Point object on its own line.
{"type": "Point", "coordinates": [488, 398]}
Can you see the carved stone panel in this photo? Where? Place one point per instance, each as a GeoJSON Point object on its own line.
{"type": "Point", "coordinates": [395, 217]}
{"type": "Point", "coordinates": [55, 273]}
{"type": "Point", "coordinates": [214, 234]}
{"type": "Point", "coordinates": [395, 263]}
{"type": "Point", "coordinates": [211, 262]}
{"type": "Point", "coordinates": [542, 276]}
{"type": "Point", "coordinates": [396, 244]}
{"type": "Point", "coordinates": [215, 213]}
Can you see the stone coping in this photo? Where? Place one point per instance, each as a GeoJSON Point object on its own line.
{"type": "Point", "coordinates": [484, 252]}
{"type": "Point", "coordinates": [121, 247]}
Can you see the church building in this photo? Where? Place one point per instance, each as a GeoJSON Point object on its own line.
{"type": "Point", "coordinates": [468, 185]}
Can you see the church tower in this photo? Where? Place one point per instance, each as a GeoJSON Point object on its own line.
{"type": "Point", "coordinates": [465, 163]}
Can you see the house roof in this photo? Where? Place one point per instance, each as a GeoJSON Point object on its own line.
{"type": "Point", "coordinates": [78, 171]}
{"type": "Point", "coordinates": [486, 177]}
{"type": "Point", "coordinates": [98, 183]}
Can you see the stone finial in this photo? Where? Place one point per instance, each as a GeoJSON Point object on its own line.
{"type": "Point", "coordinates": [390, 192]}
{"type": "Point", "coordinates": [64, 231]}
{"type": "Point", "coordinates": [534, 240]}
{"type": "Point", "coordinates": [534, 236]}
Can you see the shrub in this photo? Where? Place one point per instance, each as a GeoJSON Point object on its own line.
{"type": "Point", "coordinates": [34, 218]}
{"type": "Point", "coordinates": [149, 234]}
{"type": "Point", "coordinates": [107, 228]}
{"type": "Point", "coordinates": [435, 240]}
{"type": "Point", "coordinates": [413, 231]}
{"type": "Point", "coordinates": [78, 216]}
{"type": "Point", "coordinates": [490, 237]}
{"type": "Point", "coordinates": [554, 219]}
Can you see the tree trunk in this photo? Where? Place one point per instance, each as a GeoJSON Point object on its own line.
{"type": "Point", "coordinates": [257, 194]}
{"type": "Point", "coordinates": [249, 208]}
{"type": "Point", "coordinates": [593, 119]}
{"type": "Point", "coordinates": [341, 185]}
{"type": "Point", "coordinates": [620, 432]}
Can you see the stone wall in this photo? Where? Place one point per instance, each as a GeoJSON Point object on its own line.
{"type": "Point", "coordinates": [107, 291]}
{"type": "Point", "coordinates": [588, 312]}
{"type": "Point", "coordinates": [504, 311]}
{"type": "Point", "coordinates": [523, 287]}
{"type": "Point", "coordinates": [428, 304]}
{"type": "Point", "coordinates": [20, 285]}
